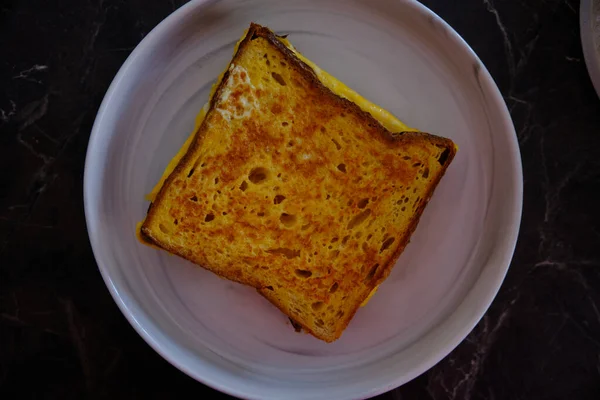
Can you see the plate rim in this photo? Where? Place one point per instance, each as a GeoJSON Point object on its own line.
{"type": "Point", "coordinates": [157, 343]}
{"type": "Point", "coordinates": [590, 55]}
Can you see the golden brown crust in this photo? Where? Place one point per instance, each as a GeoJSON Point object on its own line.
{"type": "Point", "coordinates": [357, 284]}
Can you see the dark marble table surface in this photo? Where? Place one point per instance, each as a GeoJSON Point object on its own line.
{"type": "Point", "coordinates": [61, 334]}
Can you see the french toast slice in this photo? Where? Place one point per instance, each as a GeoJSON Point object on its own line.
{"type": "Point", "coordinates": [294, 190]}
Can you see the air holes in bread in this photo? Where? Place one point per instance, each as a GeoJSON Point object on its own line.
{"type": "Point", "coordinates": [287, 253]}
{"type": "Point", "coordinates": [284, 123]}
{"type": "Point", "coordinates": [317, 305]}
{"type": "Point", "coordinates": [194, 198]}
{"type": "Point", "coordinates": [163, 228]}
{"type": "Point", "coordinates": [258, 175]}
{"type": "Point", "coordinates": [288, 220]}
{"type": "Point", "coordinates": [244, 186]}
{"type": "Point", "coordinates": [426, 173]}
{"type": "Point", "coordinates": [363, 203]}
{"type": "Point", "coordinates": [338, 146]}
{"type": "Point", "coordinates": [371, 273]}
{"type": "Point", "coordinates": [387, 243]}
{"type": "Point", "coordinates": [302, 273]}
{"type": "Point", "coordinates": [359, 219]}
{"type": "Point", "coordinates": [278, 199]}
{"type": "Point", "coordinates": [278, 78]}
{"type": "Point", "coordinates": [209, 217]}
{"type": "Point", "coordinates": [342, 167]}
{"type": "Point", "coordinates": [191, 172]}
{"type": "Point", "coordinates": [444, 156]}
{"type": "Point", "coordinates": [334, 288]}
{"type": "Point", "coordinates": [345, 239]}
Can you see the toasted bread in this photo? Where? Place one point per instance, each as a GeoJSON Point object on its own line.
{"type": "Point", "coordinates": [294, 190]}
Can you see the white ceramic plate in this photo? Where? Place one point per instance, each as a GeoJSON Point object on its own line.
{"type": "Point", "coordinates": [396, 53]}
